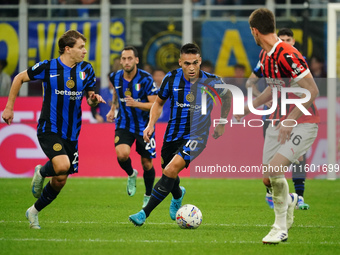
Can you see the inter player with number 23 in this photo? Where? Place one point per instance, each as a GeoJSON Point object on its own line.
{"type": "Point", "coordinates": [65, 81]}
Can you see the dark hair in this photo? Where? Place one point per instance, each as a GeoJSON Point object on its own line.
{"type": "Point", "coordinates": [285, 31]}
{"type": "Point", "coordinates": [135, 52]}
{"type": "Point", "coordinates": [207, 63]}
{"type": "Point", "coordinates": [157, 69]}
{"type": "Point", "coordinates": [263, 20]}
{"type": "Point", "coordinates": [318, 58]}
{"type": "Point", "coordinates": [241, 66]}
{"type": "Point", "coordinates": [3, 63]}
{"type": "Point", "coordinates": [69, 38]}
{"type": "Point", "coordinates": [190, 48]}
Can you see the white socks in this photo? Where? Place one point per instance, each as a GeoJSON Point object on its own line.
{"type": "Point", "coordinates": [33, 210]}
{"type": "Point", "coordinates": [280, 192]}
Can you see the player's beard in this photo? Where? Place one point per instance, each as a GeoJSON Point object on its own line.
{"type": "Point", "coordinates": [257, 41]}
{"type": "Point", "coordinates": [129, 70]}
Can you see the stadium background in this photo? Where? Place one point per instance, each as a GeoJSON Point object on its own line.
{"type": "Point", "coordinates": [224, 38]}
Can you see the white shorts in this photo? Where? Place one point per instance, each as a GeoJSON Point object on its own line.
{"type": "Point", "coordinates": [303, 136]}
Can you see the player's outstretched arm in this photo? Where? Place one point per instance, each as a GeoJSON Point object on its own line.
{"type": "Point", "coordinates": [252, 83]}
{"type": "Point", "coordinates": [225, 109]}
{"type": "Point", "coordinates": [19, 79]}
{"type": "Point", "coordinates": [307, 83]}
{"type": "Point", "coordinates": [155, 113]}
{"type": "Point", "coordinates": [263, 98]}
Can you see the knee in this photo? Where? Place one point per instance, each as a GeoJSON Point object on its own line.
{"type": "Point", "coordinates": [62, 167]}
{"type": "Point", "coordinates": [171, 171]}
{"type": "Point", "coordinates": [174, 167]}
{"type": "Point", "coordinates": [266, 182]}
{"type": "Point", "coordinates": [122, 156]}
{"type": "Point", "coordinates": [147, 165]}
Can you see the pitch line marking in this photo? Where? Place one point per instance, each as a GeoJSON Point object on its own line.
{"type": "Point", "coordinates": [163, 223]}
{"type": "Point", "coordinates": [97, 240]}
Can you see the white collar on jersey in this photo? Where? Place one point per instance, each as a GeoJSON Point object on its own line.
{"type": "Point", "coordinates": [274, 47]}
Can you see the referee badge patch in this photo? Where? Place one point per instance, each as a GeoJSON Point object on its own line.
{"type": "Point", "coordinates": [57, 147]}
{"type": "Point", "coordinates": [116, 139]}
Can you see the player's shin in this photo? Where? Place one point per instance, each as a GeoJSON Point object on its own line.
{"type": "Point", "coordinates": [280, 192]}
{"type": "Point", "coordinates": [176, 190]}
{"type": "Point", "coordinates": [149, 178]}
{"type": "Point", "coordinates": [126, 166]}
{"type": "Point", "coordinates": [47, 170]}
{"type": "Point", "coordinates": [160, 191]}
{"type": "Point", "coordinates": [47, 196]}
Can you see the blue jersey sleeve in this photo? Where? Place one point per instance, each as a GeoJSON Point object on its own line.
{"type": "Point", "coordinates": [37, 72]}
{"type": "Point", "coordinates": [257, 70]}
{"type": "Point", "coordinates": [213, 81]}
{"type": "Point", "coordinates": [164, 91]}
{"type": "Point", "coordinates": [90, 76]}
{"type": "Point", "coordinates": [150, 87]}
{"type": "Point", "coordinates": [221, 91]}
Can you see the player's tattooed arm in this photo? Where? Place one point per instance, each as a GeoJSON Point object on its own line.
{"type": "Point", "coordinates": [226, 104]}
{"type": "Point", "coordinates": [115, 99]}
{"type": "Point", "coordinates": [225, 108]}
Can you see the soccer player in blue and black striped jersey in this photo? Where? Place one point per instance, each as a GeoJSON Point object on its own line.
{"type": "Point", "coordinates": [66, 80]}
{"type": "Point", "coordinates": [134, 93]}
{"type": "Point", "coordinates": [188, 128]}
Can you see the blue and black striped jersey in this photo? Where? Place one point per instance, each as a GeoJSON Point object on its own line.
{"type": "Point", "coordinates": [139, 88]}
{"type": "Point", "coordinates": [63, 91]}
{"type": "Point", "coordinates": [257, 70]}
{"type": "Point", "coordinates": [186, 118]}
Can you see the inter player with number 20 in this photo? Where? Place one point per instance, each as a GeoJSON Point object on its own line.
{"type": "Point", "coordinates": [65, 81]}
{"type": "Point", "coordinates": [134, 92]}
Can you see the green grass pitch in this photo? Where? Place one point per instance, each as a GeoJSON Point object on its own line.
{"type": "Point", "coordinates": [90, 216]}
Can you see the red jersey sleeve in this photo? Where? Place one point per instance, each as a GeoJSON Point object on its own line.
{"type": "Point", "coordinates": [292, 62]}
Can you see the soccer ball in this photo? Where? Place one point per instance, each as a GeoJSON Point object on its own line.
{"type": "Point", "coordinates": [189, 216]}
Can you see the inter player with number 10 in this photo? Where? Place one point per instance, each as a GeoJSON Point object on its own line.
{"type": "Point", "coordinates": [188, 129]}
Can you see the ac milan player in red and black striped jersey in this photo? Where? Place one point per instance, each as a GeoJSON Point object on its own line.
{"type": "Point", "coordinates": [298, 173]}
{"type": "Point", "coordinates": [293, 132]}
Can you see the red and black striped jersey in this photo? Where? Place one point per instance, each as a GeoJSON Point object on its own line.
{"type": "Point", "coordinates": [285, 66]}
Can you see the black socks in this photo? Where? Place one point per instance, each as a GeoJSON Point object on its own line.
{"type": "Point", "coordinates": [47, 196]}
{"type": "Point", "coordinates": [47, 170]}
{"type": "Point", "coordinates": [149, 178]}
{"type": "Point", "coordinates": [162, 188]}
{"type": "Point", "coordinates": [126, 165]}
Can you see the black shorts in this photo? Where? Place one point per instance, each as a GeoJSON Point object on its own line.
{"type": "Point", "coordinates": [187, 149]}
{"type": "Point", "coordinates": [53, 145]}
{"type": "Point", "coordinates": [146, 150]}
